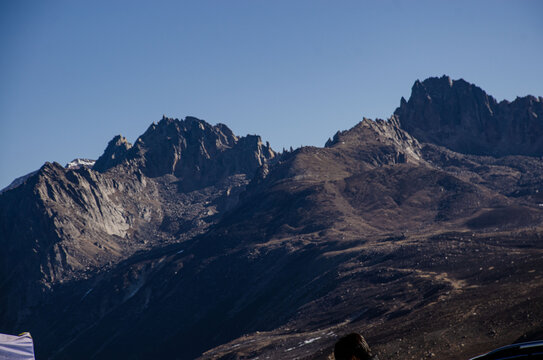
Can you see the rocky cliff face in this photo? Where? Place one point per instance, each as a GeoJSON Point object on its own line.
{"type": "Point", "coordinates": [463, 118]}
{"type": "Point", "coordinates": [66, 224]}
{"type": "Point", "coordinates": [383, 142]}
{"type": "Point", "coordinates": [192, 150]}
{"type": "Point", "coordinates": [196, 242]}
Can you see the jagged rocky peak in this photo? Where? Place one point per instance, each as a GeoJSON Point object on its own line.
{"type": "Point", "coordinates": [379, 137]}
{"type": "Point", "coordinates": [253, 144]}
{"type": "Point", "coordinates": [191, 149]}
{"type": "Point", "coordinates": [177, 135]}
{"type": "Point", "coordinates": [51, 169]}
{"type": "Point", "coordinates": [463, 118]}
{"type": "Point", "coordinates": [77, 163]}
{"type": "Point", "coordinates": [48, 171]}
{"type": "Point", "coordinates": [116, 152]}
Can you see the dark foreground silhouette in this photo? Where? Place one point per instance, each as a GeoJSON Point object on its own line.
{"type": "Point", "coordinates": [353, 347]}
{"type": "Point", "coordinates": [529, 350]}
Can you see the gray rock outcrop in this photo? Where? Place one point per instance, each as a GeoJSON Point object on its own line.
{"type": "Point", "coordinates": [463, 118]}
{"type": "Point", "coordinates": [195, 152]}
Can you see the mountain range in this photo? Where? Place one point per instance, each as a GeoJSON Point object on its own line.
{"type": "Point", "coordinates": [423, 232]}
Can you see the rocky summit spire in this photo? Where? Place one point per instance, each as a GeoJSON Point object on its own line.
{"type": "Point", "coordinates": [463, 118]}
{"type": "Point", "coordinates": [116, 152]}
{"type": "Point", "coordinates": [190, 149]}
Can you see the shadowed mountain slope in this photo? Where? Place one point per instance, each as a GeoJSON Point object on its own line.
{"type": "Point", "coordinates": [196, 243]}
{"type": "Point", "coordinates": [68, 224]}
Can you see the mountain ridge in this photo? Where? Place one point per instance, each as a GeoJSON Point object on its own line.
{"type": "Point", "coordinates": [196, 242]}
{"type": "Point", "coordinates": [463, 118]}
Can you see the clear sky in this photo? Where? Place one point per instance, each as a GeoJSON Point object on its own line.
{"type": "Point", "coordinates": [75, 73]}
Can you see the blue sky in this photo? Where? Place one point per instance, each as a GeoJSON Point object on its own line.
{"type": "Point", "coordinates": [75, 73]}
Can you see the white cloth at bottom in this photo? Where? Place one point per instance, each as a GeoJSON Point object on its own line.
{"type": "Point", "coordinates": [16, 347]}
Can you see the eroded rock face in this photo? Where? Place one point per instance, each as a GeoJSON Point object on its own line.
{"type": "Point", "coordinates": [61, 225]}
{"type": "Point", "coordinates": [194, 237]}
{"type": "Point", "coordinates": [382, 142]}
{"type": "Point", "coordinates": [116, 152]}
{"type": "Point", "coordinates": [194, 151]}
{"type": "Point", "coordinates": [463, 118]}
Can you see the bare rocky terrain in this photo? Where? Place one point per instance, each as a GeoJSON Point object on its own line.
{"type": "Point", "coordinates": [423, 232]}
